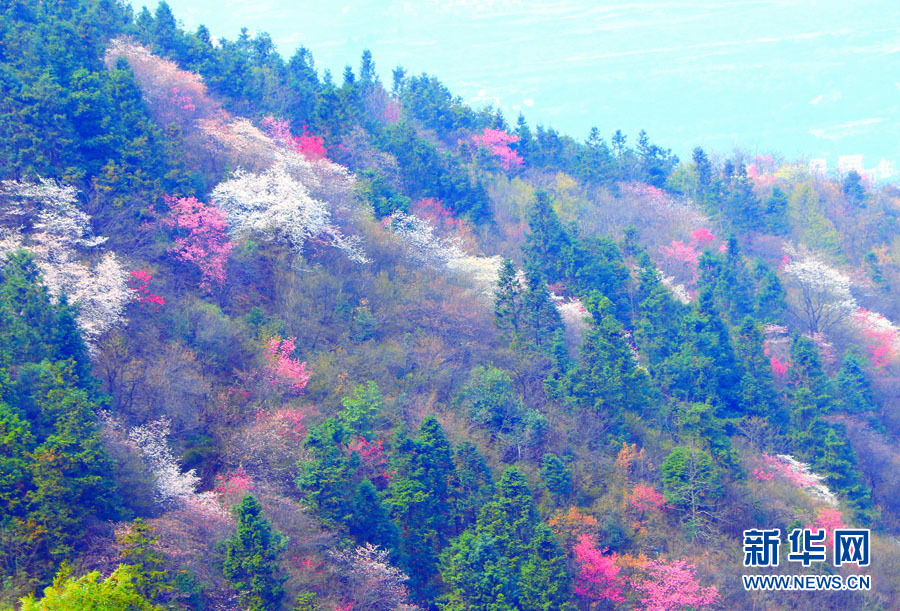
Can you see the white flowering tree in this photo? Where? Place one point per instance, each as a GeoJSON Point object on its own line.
{"type": "Point", "coordinates": [375, 584]}
{"type": "Point", "coordinates": [43, 217]}
{"type": "Point", "coordinates": [278, 205]}
{"type": "Point", "coordinates": [823, 293]}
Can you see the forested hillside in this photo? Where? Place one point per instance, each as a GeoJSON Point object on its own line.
{"type": "Point", "coordinates": [275, 340]}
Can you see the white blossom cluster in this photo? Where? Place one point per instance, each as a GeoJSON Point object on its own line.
{"type": "Point", "coordinates": [172, 485]}
{"type": "Point", "coordinates": [574, 315]}
{"type": "Point", "coordinates": [420, 241]}
{"type": "Point", "coordinates": [816, 489]}
{"type": "Point", "coordinates": [679, 291]}
{"type": "Point", "coordinates": [376, 583]}
{"type": "Point", "coordinates": [43, 217]}
{"type": "Point", "coordinates": [480, 271]}
{"type": "Point", "coordinates": [279, 203]}
{"type": "Point", "coordinates": [824, 297]}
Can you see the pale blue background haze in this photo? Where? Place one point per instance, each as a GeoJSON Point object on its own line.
{"type": "Point", "coordinates": [805, 79]}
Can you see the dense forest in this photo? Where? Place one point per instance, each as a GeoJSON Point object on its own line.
{"type": "Point", "coordinates": [275, 340]}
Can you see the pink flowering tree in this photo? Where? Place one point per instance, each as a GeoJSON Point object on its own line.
{"type": "Point", "coordinates": [645, 500]}
{"type": "Point", "coordinates": [497, 142]}
{"type": "Point", "coordinates": [282, 369]}
{"type": "Point", "coordinates": [681, 257]}
{"type": "Point", "coordinates": [673, 586]}
{"type": "Point", "coordinates": [234, 485]}
{"type": "Point", "coordinates": [287, 422]}
{"type": "Point", "coordinates": [881, 336]}
{"type": "Point", "coordinates": [310, 146]}
{"type": "Point", "coordinates": [598, 575]}
{"type": "Point", "coordinates": [829, 519]}
{"type": "Point", "coordinates": [373, 461]}
{"type": "Point", "coordinates": [139, 282]}
{"type": "Point", "coordinates": [201, 237]}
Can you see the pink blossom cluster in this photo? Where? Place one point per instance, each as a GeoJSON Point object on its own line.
{"type": "Point", "coordinates": [434, 211]}
{"type": "Point", "coordinates": [181, 99]}
{"type": "Point", "coordinates": [687, 255]}
{"type": "Point", "coordinates": [776, 465]}
{"type": "Point", "coordinates": [391, 112]}
{"type": "Point", "coordinates": [206, 244]}
{"type": "Point", "coordinates": [761, 171]}
{"type": "Point", "coordinates": [645, 498]}
{"type": "Point", "coordinates": [829, 519]}
{"type": "Point", "coordinates": [598, 575]}
{"type": "Point", "coordinates": [236, 483]}
{"type": "Point", "coordinates": [673, 586]}
{"type": "Point", "coordinates": [311, 147]}
{"type": "Point", "coordinates": [307, 563]}
{"type": "Point", "coordinates": [282, 368]}
{"type": "Point", "coordinates": [882, 335]}
{"type": "Point", "coordinates": [497, 142]}
{"type": "Point", "coordinates": [779, 367]}
{"type": "Point", "coordinates": [656, 197]}
{"type": "Point", "coordinates": [374, 461]}
{"type": "Point", "coordinates": [140, 284]}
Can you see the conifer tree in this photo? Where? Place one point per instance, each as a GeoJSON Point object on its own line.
{"type": "Point", "coordinates": [852, 388]}
{"type": "Point", "coordinates": [510, 560]}
{"type": "Point", "coordinates": [251, 558]}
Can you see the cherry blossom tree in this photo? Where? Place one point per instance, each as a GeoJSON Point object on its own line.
{"type": "Point", "coordinates": [43, 217]}
{"type": "Point", "coordinates": [374, 584]}
{"type": "Point", "coordinates": [420, 241]}
{"type": "Point", "coordinates": [203, 240]}
{"type": "Point", "coordinates": [882, 335]}
{"type": "Point", "coordinates": [829, 519]}
{"type": "Point", "coordinates": [311, 147]}
{"type": "Point", "coordinates": [497, 142]}
{"type": "Point", "coordinates": [282, 369]}
{"type": "Point", "coordinates": [173, 94]}
{"type": "Point", "coordinates": [279, 206]}
{"type": "Point", "coordinates": [598, 575]}
{"type": "Point", "coordinates": [172, 486]}
{"type": "Point", "coordinates": [673, 586]}
{"type": "Point", "coordinates": [140, 284]}
{"type": "Point", "coordinates": [823, 293]}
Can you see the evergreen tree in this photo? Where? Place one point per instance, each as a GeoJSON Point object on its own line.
{"type": "Point", "coordinates": [369, 521]}
{"type": "Point", "coordinates": [758, 396]}
{"type": "Point", "coordinates": [557, 477]}
{"type": "Point", "coordinates": [547, 242]}
{"type": "Point", "coordinates": [509, 560]}
{"type": "Point", "coordinates": [474, 484]}
{"type": "Point", "coordinates": [421, 500]}
{"type": "Point", "coordinates": [251, 558]}
{"type": "Point", "coordinates": [852, 389]}
{"type": "Point", "coordinates": [508, 313]}
{"type": "Point", "coordinates": [607, 380]}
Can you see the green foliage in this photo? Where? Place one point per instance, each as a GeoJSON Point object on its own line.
{"type": "Point", "coordinates": [557, 476]}
{"type": "Point", "coordinates": [489, 400]}
{"type": "Point", "coordinates": [363, 325]}
{"type": "Point", "coordinates": [852, 389]}
{"type": "Point", "coordinates": [118, 592]}
{"type": "Point", "coordinates": [422, 501]}
{"type": "Point", "coordinates": [138, 550]}
{"type": "Point", "coordinates": [510, 560]}
{"type": "Point", "coordinates": [474, 485]}
{"type": "Point", "coordinates": [607, 380]}
{"type": "Point", "coordinates": [758, 396]}
{"type": "Point", "coordinates": [361, 408]}
{"type": "Point", "coordinates": [691, 482]}
{"type": "Point", "coordinates": [251, 558]}
{"type": "Point", "coordinates": [56, 477]}
{"type": "Point", "coordinates": [547, 242]}
{"type": "Point", "coordinates": [379, 192]}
